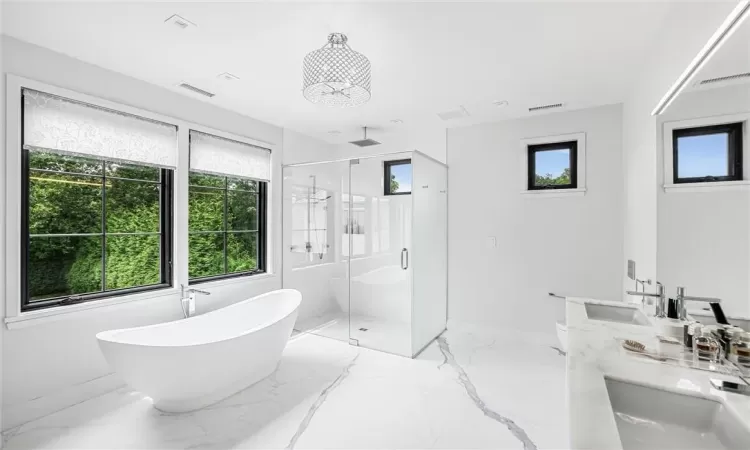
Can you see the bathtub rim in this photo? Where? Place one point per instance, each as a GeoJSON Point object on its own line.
{"type": "Point", "coordinates": [108, 335]}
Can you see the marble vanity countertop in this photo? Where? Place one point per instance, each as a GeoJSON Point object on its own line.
{"type": "Point", "coordinates": [594, 352]}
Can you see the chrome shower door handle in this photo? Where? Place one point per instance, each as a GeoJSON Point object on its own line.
{"type": "Point", "coordinates": [404, 259]}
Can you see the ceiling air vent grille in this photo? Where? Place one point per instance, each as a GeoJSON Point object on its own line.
{"type": "Point", "coordinates": [196, 90]}
{"type": "Point", "coordinates": [454, 114]}
{"type": "Point", "coordinates": [726, 78]}
{"type": "Point", "coordinates": [543, 107]}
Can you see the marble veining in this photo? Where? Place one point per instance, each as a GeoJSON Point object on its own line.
{"type": "Point", "coordinates": [595, 352]}
{"type": "Point", "coordinates": [327, 394]}
{"type": "Point", "coordinates": [559, 351]}
{"type": "Point", "coordinates": [471, 390]}
{"type": "Point", "coordinates": [319, 402]}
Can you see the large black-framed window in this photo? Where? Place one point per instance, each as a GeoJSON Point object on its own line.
{"type": "Point", "coordinates": [553, 166]}
{"type": "Point", "coordinates": [92, 229]}
{"type": "Point", "coordinates": [397, 176]}
{"type": "Point", "coordinates": [707, 154]}
{"type": "Point", "coordinates": [227, 227]}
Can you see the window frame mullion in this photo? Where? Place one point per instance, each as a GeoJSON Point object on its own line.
{"type": "Point", "coordinates": [166, 211]}
{"type": "Point", "coordinates": [104, 227]}
{"type": "Point", "coordinates": [226, 230]}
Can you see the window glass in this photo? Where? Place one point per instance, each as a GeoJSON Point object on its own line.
{"type": "Point", "coordinates": [132, 206]}
{"type": "Point", "coordinates": [707, 153]}
{"type": "Point", "coordinates": [224, 226]}
{"type": "Point", "coordinates": [63, 266]}
{"type": "Point", "coordinates": [64, 204]}
{"type": "Point", "coordinates": [206, 254]}
{"type": "Point", "coordinates": [90, 234]}
{"type": "Point", "coordinates": [126, 252]}
{"type": "Point", "coordinates": [703, 155]}
{"type": "Point", "coordinates": [242, 250]}
{"type": "Point", "coordinates": [398, 177]}
{"type": "Point", "coordinates": [552, 167]}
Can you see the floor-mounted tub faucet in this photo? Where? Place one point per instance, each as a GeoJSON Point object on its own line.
{"type": "Point", "coordinates": [187, 299]}
{"type": "Point", "coordinates": [661, 300]}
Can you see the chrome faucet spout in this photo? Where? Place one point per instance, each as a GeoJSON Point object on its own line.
{"type": "Point", "coordinates": [187, 299]}
{"type": "Point", "coordinates": [682, 298]}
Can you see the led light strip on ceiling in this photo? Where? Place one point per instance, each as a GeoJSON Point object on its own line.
{"type": "Point", "coordinates": [730, 25]}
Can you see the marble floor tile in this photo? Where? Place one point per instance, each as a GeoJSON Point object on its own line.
{"type": "Point", "coordinates": [466, 390]}
{"type": "Point", "coordinates": [387, 335]}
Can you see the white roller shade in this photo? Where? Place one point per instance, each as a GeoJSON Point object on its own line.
{"type": "Point", "coordinates": [218, 156]}
{"type": "Point", "coordinates": [65, 126]}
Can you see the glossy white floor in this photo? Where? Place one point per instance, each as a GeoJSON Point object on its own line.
{"type": "Point", "coordinates": [467, 390]}
{"type": "Point", "coordinates": [371, 332]}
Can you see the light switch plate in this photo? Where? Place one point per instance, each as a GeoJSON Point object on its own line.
{"type": "Point", "coordinates": [491, 242]}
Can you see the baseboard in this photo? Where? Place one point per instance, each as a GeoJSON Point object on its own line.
{"type": "Point", "coordinates": [21, 413]}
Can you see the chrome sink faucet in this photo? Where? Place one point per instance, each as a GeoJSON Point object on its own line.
{"type": "Point", "coordinates": [682, 298]}
{"type": "Point", "coordinates": [661, 300]}
{"type": "Point", "coordinates": [187, 299]}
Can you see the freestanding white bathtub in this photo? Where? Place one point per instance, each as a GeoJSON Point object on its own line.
{"type": "Point", "coordinates": [192, 363]}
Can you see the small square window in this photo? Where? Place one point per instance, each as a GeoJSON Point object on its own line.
{"type": "Point", "coordinates": [553, 166]}
{"type": "Point", "coordinates": [707, 154]}
{"type": "Point", "coordinates": [397, 177]}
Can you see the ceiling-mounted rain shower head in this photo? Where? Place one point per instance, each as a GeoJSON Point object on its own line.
{"type": "Point", "coordinates": [365, 142]}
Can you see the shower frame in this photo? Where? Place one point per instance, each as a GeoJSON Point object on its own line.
{"type": "Point", "coordinates": [353, 161]}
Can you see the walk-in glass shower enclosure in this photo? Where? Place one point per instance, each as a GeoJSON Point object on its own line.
{"type": "Point", "coordinates": [365, 241]}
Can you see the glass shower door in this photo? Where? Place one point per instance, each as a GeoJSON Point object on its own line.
{"type": "Point", "coordinates": [379, 231]}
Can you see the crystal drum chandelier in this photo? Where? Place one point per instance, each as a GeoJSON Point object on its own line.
{"type": "Point", "coordinates": [336, 75]}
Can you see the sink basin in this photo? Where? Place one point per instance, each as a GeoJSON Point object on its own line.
{"type": "Point", "coordinates": [649, 418]}
{"type": "Point", "coordinates": [621, 314]}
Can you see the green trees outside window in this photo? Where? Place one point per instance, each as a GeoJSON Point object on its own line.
{"type": "Point", "coordinates": [224, 226]}
{"type": "Point", "coordinates": [99, 227]}
{"type": "Point", "coordinates": [93, 227]}
{"type": "Point", "coordinates": [548, 179]}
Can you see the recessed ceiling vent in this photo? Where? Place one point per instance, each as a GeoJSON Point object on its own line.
{"type": "Point", "coordinates": [544, 107]}
{"type": "Point", "coordinates": [454, 114]}
{"type": "Point", "coordinates": [734, 77]}
{"type": "Point", "coordinates": [179, 22]}
{"type": "Point", "coordinates": [196, 90]}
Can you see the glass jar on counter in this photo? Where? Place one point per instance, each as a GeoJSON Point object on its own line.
{"type": "Point", "coordinates": [740, 348]}
{"type": "Point", "coordinates": [705, 346]}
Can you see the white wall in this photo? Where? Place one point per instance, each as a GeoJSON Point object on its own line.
{"type": "Point", "coordinates": [48, 366]}
{"type": "Point", "coordinates": [2, 203]}
{"type": "Point", "coordinates": [687, 29]}
{"type": "Point", "coordinates": [704, 237]}
{"type": "Point", "coordinates": [299, 148]}
{"type": "Point", "coordinates": [570, 245]}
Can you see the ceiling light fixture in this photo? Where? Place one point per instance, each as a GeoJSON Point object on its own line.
{"type": "Point", "coordinates": [336, 75]}
{"type": "Point", "coordinates": [397, 121]}
{"type": "Point", "coordinates": [500, 103]}
{"type": "Point", "coordinates": [334, 132]}
{"type": "Point", "coordinates": [730, 24]}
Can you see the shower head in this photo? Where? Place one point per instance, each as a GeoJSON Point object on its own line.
{"type": "Point", "coordinates": [365, 142]}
